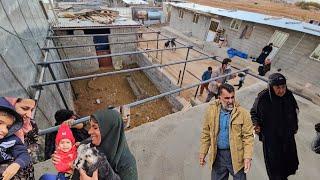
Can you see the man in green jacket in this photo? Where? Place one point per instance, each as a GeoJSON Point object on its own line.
{"type": "Point", "coordinates": [228, 133]}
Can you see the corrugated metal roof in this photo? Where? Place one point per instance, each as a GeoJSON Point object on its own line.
{"type": "Point", "coordinates": [135, 2]}
{"type": "Point", "coordinates": [286, 23]}
{"type": "Point", "coordinates": [67, 22]}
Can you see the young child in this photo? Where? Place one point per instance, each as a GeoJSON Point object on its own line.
{"type": "Point", "coordinates": [242, 76]}
{"type": "Point", "coordinates": [13, 153]}
{"type": "Point", "coordinates": [66, 149]}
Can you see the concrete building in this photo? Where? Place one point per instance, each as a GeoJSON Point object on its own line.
{"type": "Point", "coordinates": [23, 33]}
{"type": "Point", "coordinates": [67, 26]}
{"type": "Point", "coordinates": [296, 44]}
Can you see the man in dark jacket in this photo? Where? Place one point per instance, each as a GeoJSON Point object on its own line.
{"type": "Point", "coordinates": [78, 131]}
{"type": "Point", "coordinates": [275, 117]}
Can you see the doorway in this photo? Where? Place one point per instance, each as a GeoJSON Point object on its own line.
{"type": "Point", "coordinates": [278, 39]}
{"type": "Point", "coordinates": [212, 33]}
{"type": "Point", "coordinates": [101, 49]}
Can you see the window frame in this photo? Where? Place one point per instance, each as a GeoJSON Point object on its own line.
{"type": "Point", "coordinates": [181, 14]}
{"type": "Point", "coordinates": [236, 21]}
{"type": "Point", "coordinates": [313, 52]}
{"type": "Point", "coordinates": [195, 19]}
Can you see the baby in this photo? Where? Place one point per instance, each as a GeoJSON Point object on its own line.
{"type": "Point", "coordinates": [13, 153]}
{"type": "Point", "coordinates": [66, 149]}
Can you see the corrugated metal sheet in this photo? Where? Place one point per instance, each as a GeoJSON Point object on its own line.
{"type": "Point", "coordinates": [135, 2]}
{"type": "Point", "coordinates": [286, 23]}
{"type": "Point", "coordinates": [67, 23]}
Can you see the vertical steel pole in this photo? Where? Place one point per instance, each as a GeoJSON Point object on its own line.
{"type": "Point", "coordinates": [185, 65]}
{"type": "Point", "coordinates": [195, 95]}
{"type": "Point", "coordinates": [179, 77]}
{"type": "Point", "coordinates": [58, 87]}
{"type": "Point", "coordinates": [157, 43]}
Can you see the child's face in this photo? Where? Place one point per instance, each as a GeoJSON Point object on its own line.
{"type": "Point", "coordinates": [6, 121]}
{"type": "Point", "coordinates": [65, 145]}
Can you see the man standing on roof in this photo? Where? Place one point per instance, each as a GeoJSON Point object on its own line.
{"type": "Point", "coordinates": [214, 85]}
{"type": "Point", "coordinates": [275, 117]}
{"type": "Point", "coordinates": [228, 133]}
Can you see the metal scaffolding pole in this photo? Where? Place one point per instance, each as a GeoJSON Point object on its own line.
{"type": "Point", "coordinates": [185, 65]}
{"type": "Point", "coordinates": [55, 128]}
{"type": "Point", "coordinates": [38, 85]}
{"type": "Point", "coordinates": [41, 77]}
{"type": "Point", "coordinates": [100, 44]}
{"type": "Point", "coordinates": [94, 27]}
{"type": "Point", "coordinates": [107, 55]}
{"type": "Point", "coordinates": [208, 55]}
{"type": "Point", "coordinates": [58, 87]}
{"type": "Point", "coordinates": [158, 43]}
{"type": "Point", "coordinates": [92, 35]}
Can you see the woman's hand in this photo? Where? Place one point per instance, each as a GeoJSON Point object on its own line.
{"type": "Point", "coordinates": [55, 158]}
{"type": "Point", "coordinates": [84, 176]}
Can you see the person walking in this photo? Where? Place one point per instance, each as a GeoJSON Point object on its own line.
{"type": "Point", "coordinates": [214, 85]}
{"type": "Point", "coordinates": [264, 66]}
{"type": "Point", "coordinates": [205, 76]}
{"type": "Point", "coordinates": [228, 133]}
{"type": "Point", "coordinates": [275, 118]}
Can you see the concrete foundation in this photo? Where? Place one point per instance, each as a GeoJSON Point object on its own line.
{"type": "Point", "coordinates": [160, 80]}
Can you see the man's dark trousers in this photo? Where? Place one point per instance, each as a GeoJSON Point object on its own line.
{"type": "Point", "coordinates": [223, 166]}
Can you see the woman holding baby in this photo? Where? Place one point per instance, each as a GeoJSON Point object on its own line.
{"type": "Point", "coordinates": [107, 135]}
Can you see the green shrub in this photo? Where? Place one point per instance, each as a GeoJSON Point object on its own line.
{"type": "Point", "coordinates": [308, 5]}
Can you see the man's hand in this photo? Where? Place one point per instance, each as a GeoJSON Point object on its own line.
{"type": "Point", "coordinates": [247, 165]}
{"type": "Point", "coordinates": [69, 122]}
{"type": "Point", "coordinates": [84, 176]}
{"type": "Point", "coordinates": [202, 159]}
{"type": "Point", "coordinates": [257, 129]}
{"type": "Point", "coordinates": [11, 170]}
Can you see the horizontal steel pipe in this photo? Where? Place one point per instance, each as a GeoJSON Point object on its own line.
{"type": "Point", "coordinates": [96, 27]}
{"type": "Point", "coordinates": [115, 72]}
{"type": "Point", "coordinates": [108, 55]}
{"type": "Point", "coordinates": [100, 44]}
{"type": "Point", "coordinates": [55, 128]}
{"type": "Point", "coordinates": [110, 34]}
{"type": "Point", "coordinates": [84, 119]}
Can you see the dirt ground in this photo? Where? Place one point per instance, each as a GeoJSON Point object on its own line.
{"type": "Point", "coordinates": [265, 7]}
{"type": "Point", "coordinates": [115, 91]}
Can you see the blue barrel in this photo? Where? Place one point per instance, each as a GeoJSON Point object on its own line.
{"type": "Point", "coordinates": [154, 15]}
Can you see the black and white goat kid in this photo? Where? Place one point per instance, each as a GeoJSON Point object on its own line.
{"type": "Point", "coordinates": [90, 159]}
{"type": "Point", "coordinates": [170, 42]}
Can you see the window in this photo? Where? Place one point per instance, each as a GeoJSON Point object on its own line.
{"type": "Point", "coordinates": [195, 18]}
{"type": "Point", "coordinates": [181, 14]}
{"type": "Point", "coordinates": [315, 55]}
{"type": "Point", "coordinates": [235, 24]}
